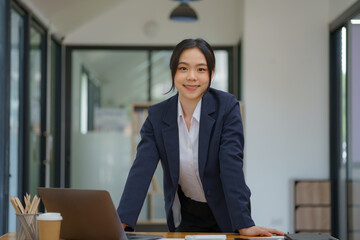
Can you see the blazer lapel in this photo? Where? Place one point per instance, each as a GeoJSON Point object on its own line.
{"type": "Point", "coordinates": [206, 124]}
{"type": "Point", "coordinates": [171, 138]}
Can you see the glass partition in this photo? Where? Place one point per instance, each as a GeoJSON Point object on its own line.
{"type": "Point", "coordinates": [25, 55]}
{"type": "Point", "coordinates": [353, 111]}
{"type": "Point", "coordinates": [16, 79]}
{"type": "Point", "coordinates": [221, 77]}
{"type": "Point", "coordinates": [34, 105]}
{"type": "Point", "coordinates": [53, 151]}
{"type": "Point", "coordinates": [105, 84]}
{"type": "Point", "coordinates": [160, 75]}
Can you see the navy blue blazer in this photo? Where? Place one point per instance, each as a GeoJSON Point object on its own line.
{"type": "Point", "coordinates": [221, 143]}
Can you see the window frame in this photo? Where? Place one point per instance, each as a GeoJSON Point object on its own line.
{"type": "Point", "coordinates": [4, 120]}
{"type": "Point", "coordinates": [335, 141]}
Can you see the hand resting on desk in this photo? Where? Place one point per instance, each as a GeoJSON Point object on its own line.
{"type": "Point", "coordinates": [260, 231]}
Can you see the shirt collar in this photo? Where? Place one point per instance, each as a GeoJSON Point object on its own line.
{"type": "Point", "coordinates": [196, 114]}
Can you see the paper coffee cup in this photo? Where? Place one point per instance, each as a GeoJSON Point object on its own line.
{"type": "Point", "coordinates": [49, 226]}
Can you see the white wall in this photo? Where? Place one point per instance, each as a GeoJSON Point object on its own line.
{"type": "Point", "coordinates": [285, 89]}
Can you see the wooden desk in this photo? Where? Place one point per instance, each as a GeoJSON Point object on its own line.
{"type": "Point", "coordinates": [229, 236]}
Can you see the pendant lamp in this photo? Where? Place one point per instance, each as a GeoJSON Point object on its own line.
{"type": "Point", "coordinates": [183, 13]}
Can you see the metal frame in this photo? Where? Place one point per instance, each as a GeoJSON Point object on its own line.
{"type": "Point", "coordinates": [43, 102]}
{"type": "Point", "coordinates": [67, 117]}
{"type": "Point", "coordinates": [57, 104]}
{"type": "Point", "coordinates": [24, 111]}
{"type": "Point", "coordinates": [4, 120]}
{"type": "Point", "coordinates": [335, 134]}
{"type": "Point", "coordinates": [335, 113]}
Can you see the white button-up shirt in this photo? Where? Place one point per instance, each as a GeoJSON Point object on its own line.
{"type": "Point", "coordinates": [189, 178]}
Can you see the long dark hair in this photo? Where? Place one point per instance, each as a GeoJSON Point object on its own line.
{"type": "Point", "coordinates": [199, 43]}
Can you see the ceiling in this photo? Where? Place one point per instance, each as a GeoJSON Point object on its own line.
{"type": "Point", "coordinates": [137, 22]}
{"type": "Point", "coordinates": [129, 20]}
{"type": "Point", "coordinates": [63, 16]}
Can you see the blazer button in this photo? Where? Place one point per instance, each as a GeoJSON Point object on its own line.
{"type": "Point", "coordinates": [208, 193]}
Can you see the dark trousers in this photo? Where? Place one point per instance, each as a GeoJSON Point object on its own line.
{"type": "Point", "coordinates": [195, 216]}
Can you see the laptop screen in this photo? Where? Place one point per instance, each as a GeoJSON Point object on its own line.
{"type": "Point", "coordinates": [87, 214]}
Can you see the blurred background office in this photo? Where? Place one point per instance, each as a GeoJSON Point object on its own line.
{"type": "Point", "coordinates": [77, 76]}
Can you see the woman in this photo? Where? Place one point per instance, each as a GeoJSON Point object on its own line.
{"type": "Point", "coordinates": [197, 134]}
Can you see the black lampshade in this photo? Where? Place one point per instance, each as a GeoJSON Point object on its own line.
{"type": "Point", "coordinates": [183, 13]}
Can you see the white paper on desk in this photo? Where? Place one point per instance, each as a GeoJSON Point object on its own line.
{"type": "Point", "coordinates": [171, 239]}
{"type": "Point", "coordinates": [205, 237]}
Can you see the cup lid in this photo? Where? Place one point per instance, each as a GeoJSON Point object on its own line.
{"type": "Point", "coordinates": [50, 216]}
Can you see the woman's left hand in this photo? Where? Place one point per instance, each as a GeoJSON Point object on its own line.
{"type": "Point", "coordinates": [260, 231]}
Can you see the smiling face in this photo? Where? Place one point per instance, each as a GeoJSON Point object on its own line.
{"type": "Point", "coordinates": [192, 76]}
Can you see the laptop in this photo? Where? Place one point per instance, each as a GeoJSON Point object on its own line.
{"type": "Point", "coordinates": [309, 236]}
{"type": "Point", "coordinates": [87, 214]}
